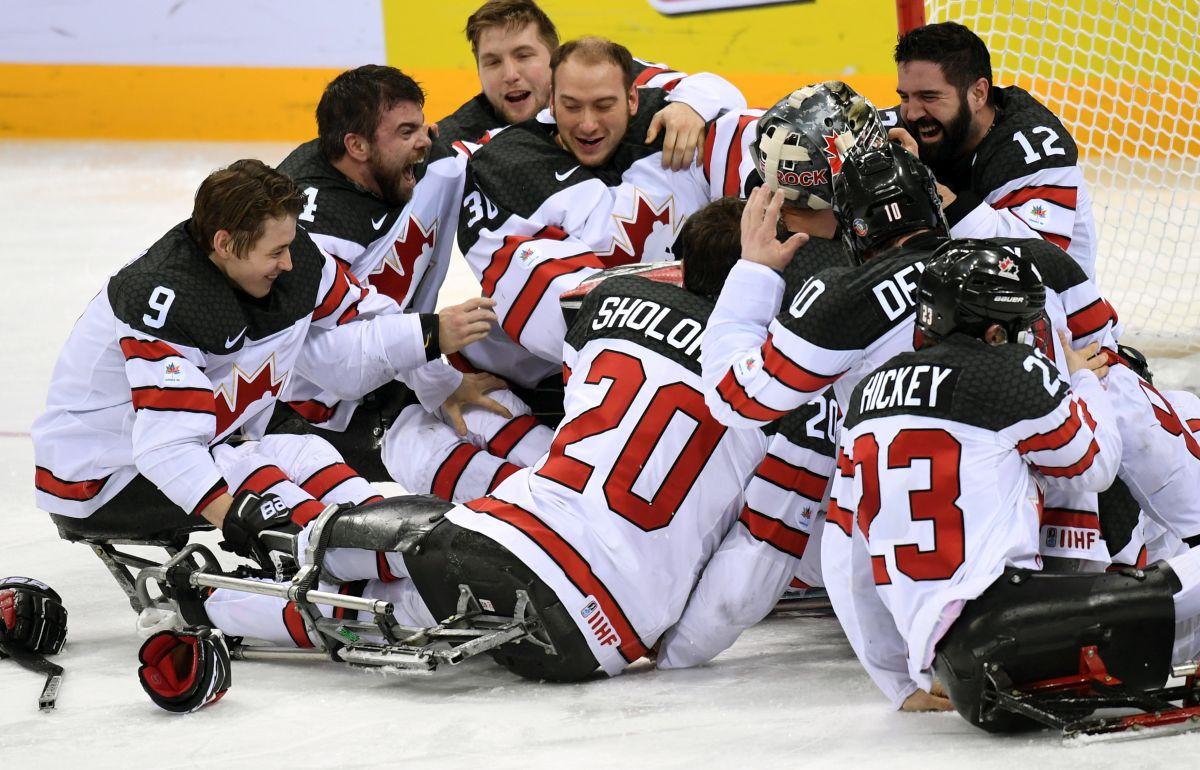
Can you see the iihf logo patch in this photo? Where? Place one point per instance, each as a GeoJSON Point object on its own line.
{"type": "Point", "coordinates": [598, 623]}
{"type": "Point", "coordinates": [860, 228]}
{"type": "Point", "coordinates": [172, 373]}
{"type": "Point", "coordinates": [749, 364]}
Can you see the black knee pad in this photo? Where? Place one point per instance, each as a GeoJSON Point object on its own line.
{"type": "Point", "coordinates": [1032, 626]}
{"type": "Point", "coordinates": [450, 556]}
{"type": "Point", "coordinates": [394, 524]}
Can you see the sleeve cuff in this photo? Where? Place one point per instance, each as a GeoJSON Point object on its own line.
{"type": "Point", "coordinates": [431, 335]}
{"type": "Point", "coordinates": [750, 279]}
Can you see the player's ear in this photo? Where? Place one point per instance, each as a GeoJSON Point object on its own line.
{"type": "Point", "coordinates": [977, 93]}
{"type": "Point", "coordinates": [221, 244]}
{"type": "Point", "coordinates": [633, 100]}
{"type": "Point", "coordinates": [357, 147]}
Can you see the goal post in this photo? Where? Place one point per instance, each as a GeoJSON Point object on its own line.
{"type": "Point", "coordinates": [1124, 77]}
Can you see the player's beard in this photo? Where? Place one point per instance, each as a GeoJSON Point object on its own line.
{"type": "Point", "coordinates": [943, 153]}
{"type": "Point", "coordinates": [395, 181]}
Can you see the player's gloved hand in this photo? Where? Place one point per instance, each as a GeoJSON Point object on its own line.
{"type": "Point", "coordinates": [185, 670]}
{"type": "Point", "coordinates": [249, 516]}
{"type": "Point", "coordinates": [32, 615]}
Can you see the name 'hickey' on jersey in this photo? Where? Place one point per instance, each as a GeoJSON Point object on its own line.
{"type": "Point", "coordinates": [922, 386]}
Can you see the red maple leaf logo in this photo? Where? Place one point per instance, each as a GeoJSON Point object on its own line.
{"type": "Point", "coordinates": [394, 275]}
{"type": "Point", "coordinates": [632, 232]}
{"type": "Point", "coordinates": [833, 154]}
{"type": "Point", "coordinates": [232, 397]}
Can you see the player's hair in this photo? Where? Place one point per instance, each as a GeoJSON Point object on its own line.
{"type": "Point", "coordinates": [709, 245]}
{"type": "Point", "coordinates": [961, 54]}
{"type": "Point", "coordinates": [510, 14]}
{"type": "Point", "coordinates": [240, 198]}
{"type": "Point", "coordinates": [594, 50]}
{"type": "Point", "coordinates": [354, 102]}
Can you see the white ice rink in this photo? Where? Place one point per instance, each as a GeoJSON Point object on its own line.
{"type": "Point", "coordinates": [788, 694]}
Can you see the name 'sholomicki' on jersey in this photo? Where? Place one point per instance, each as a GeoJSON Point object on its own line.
{"type": "Point", "coordinates": [535, 223]}
{"type": "Point", "coordinates": [640, 492]}
{"type": "Point", "coordinates": [937, 491]}
{"type": "Point", "coordinates": [402, 251]}
{"type": "Point", "coordinates": [170, 359]}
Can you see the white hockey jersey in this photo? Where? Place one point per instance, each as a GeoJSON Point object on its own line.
{"type": "Point", "coordinates": [403, 252]}
{"type": "Point", "coordinates": [640, 487]}
{"type": "Point", "coordinates": [935, 494]}
{"type": "Point", "coordinates": [169, 360]}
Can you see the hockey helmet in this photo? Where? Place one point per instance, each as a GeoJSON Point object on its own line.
{"type": "Point", "coordinates": [883, 193]}
{"type": "Point", "coordinates": [802, 139]}
{"type": "Point", "coordinates": [968, 285]}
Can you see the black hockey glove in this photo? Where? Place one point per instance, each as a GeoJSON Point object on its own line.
{"type": "Point", "coordinates": [185, 670]}
{"type": "Point", "coordinates": [32, 615]}
{"type": "Point", "coordinates": [249, 516]}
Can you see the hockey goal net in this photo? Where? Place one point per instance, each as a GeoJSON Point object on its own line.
{"type": "Point", "coordinates": [1124, 77]}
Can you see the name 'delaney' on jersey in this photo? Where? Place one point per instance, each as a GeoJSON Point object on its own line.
{"type": "Point", "coordinates": [896, 294]}
{"type": "Point", "coordinates": [646, 316]}
{"type": "Point", "coordinates": [918, 386]}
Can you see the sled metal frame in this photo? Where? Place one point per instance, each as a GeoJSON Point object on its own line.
{"type": "Point", "coordinates": [1057, 703]}
{"type": "Point", "coordinates": [396, 647]}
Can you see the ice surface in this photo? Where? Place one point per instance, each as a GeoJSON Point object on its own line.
{"type": "Point", "coordinates": [788, 694]}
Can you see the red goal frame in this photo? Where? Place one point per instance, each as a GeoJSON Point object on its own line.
{"type": "Point", "coordinates": [910, 14]}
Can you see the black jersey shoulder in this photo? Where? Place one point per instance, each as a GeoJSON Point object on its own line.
{"type": "Point", "coordinates": [1059, 270]}
{"type": "Point", "coordinates": [849, 307]}
{"type": "Point", "coordinates": [988, 386]}
{"type": "Point", "coordinates": [812, 426]}
{"type": "Point", "coordinates": [1001, 157]}
{"type": "Point", "coordinates": [204, 310]}
{"type": "Point", "coordinates": [658, 316]}
{"type": "Point", "coordinates": [470, 121]}
{"type": "Point", "coordinates": [335, 205]}
{"type": "Point", "coordinates": [815, 256]}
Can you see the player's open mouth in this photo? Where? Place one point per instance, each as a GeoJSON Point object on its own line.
{"type": "Point", "coordinates": [589, 144]}
{"type": "Point", "coordinates": [407, 173]}
{"type": "Point", "coordinates": [929, 131]}
{"type": "Point", "coordinates": [516, 97]}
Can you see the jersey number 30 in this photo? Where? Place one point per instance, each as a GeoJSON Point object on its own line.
{"type": "Point", "coordinates": [626, 377]}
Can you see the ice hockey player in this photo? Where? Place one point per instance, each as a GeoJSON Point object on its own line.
{"type": "Point", "coordinates": [610, 537]}
{"type": "Point", "coordinates": [383, 199]}
{"type": "Point", "coordinates": [1006, 165]}
{"type": "Point", "coordinates": [188, 346]}
{"type": "Point", "coordinates": [512, 42]}
{"type": "Point", "coordinates": [927, 579]}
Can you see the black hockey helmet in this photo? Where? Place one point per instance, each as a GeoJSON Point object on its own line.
{"type": "Point", "coordinates": [883, 193]}
{"type": "Point", "coordinates": [970, 284]}
{"type": "Point", "coordinates": [802, 139]}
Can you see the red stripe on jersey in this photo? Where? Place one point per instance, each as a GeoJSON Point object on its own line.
{"type": "Point", "coordinates": [325, 480]}
{"type": "Point", "coordinates": [1057, 438]}
{"type": "Point", "coordinates": [1193, 424]}
{"type": "Point", "coordinates": [218, 489]}
{"type": "Point", "coordinates": [382, 569]}
{"type": "Point", "coordinates": [1091, 319]}
{"type": "Point", "coordinates": [669, 86]}
{"type": "Point", "coordinates": [774, 532]}
{"type": "Point", "coordinates": [354, 588]}
{"type": "Point", "coordinates": [879, 571]}
{"type": "Point", "coordinates": [733, 180]}
{"type": "Point", "coordinates": [461, 147]}
{"type": "Point", "coordinates": [504, 471]}
{"type": "Point", "coordinates": [146, 350]}
{"type": "Point", "coordinates": [512, 434]}
{"type": "Point", "coordinates": [733, 394]}
{"type": "Point", "coordinates": [1056, 194]}
{"type": "Point", "coordinates": [1066, 517]}
{"type": "Point", "coordinates": [451, 470]}
{"type": "Point", "coordinates": [648, 74]}
{"type": "Point", "coordinates": [502, 257]}
{"type": "Point", "coordinates": [295, 626]}
{"type": "Point", "coordinates": [709, 143]}
{"type": "Point", "coordinates": [174, 399]}
{"type": "Point", "coordinates": [1073, 469]}
{"type": "Point", "coordinates": [306, 511]}
{"type": "Point", "coordinates": [573, 565]}
{"type": "Point", "coordinates": [335, 296]}
{"type": "Point", "coordinates": [313, 410]}
{"type": "Point", "coordinates": [263, 479]}
{"type": "Point", "coordinates": [461, 363]}
{"type": "Point", "coordinates": [372, 499]}
{"type": "Point", "coordinates": [537, 284]}
{"type": "Point", "coordinates": [566, 374]}
{"type": "Point", "coordinates": [793, 478]}
{"type": "Point", "coordinates": [47, 482]}
{"type": "Point", "coordinates": [350, 314]}
{"type": "Point", "coordinates": [1061, 241]}
{"type": "Point", "coordinates": [790, 373]}
{"type": "Point", "coordinates": [839, 516]}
